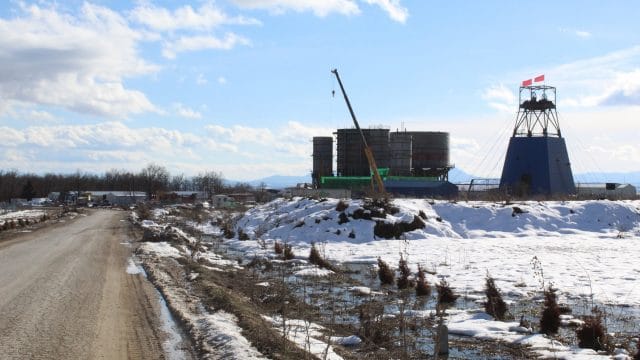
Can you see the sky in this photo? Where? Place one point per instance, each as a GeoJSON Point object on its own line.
{"type": "Point", "coordinates": [242, 86]}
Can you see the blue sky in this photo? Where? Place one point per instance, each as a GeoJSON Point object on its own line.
{"type": "Point", "coordinates": [241, 86]}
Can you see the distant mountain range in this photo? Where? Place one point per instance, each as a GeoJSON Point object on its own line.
{"type": "Point", "coordinates": [456, 175]}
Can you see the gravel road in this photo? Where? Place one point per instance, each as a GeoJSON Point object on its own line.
{"type": "Point", "coordinates": [65, 294]}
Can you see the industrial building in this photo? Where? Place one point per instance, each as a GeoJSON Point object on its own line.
{"type": "Point", "coordinates": [537, 162]}
{"type": "Point", "coordinates": [411, 163]}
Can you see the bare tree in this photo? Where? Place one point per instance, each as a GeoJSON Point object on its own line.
{"type": "Point", "coordinates": [155, 178]}
{"type": "Point", "coordinates": [211, 182]}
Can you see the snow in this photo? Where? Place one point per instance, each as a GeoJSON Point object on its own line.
{"type": "Point", "coordinates": [162, 249]}
{"type": "Point", "coordinates": [223, 331]}
{"type": "Point", "coordinates": [133, 268]}
{"type": "Point", "coordinates": [307, 336]}
{"type": "Point", "coordinates": [21, 214]}
{"type": "Point", "coordinates": [462, 241]}
{"type": "Point", "coordinates": [587, 249]}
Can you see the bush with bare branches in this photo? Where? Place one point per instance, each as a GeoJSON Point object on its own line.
{"type": "Point", "coordinates": [422, 286]}
{"type": "Point", "coordinates": [403, 281]}
{"type": "Point", "coordinates": [446, 296]}
{"type": "Point", "coordinates": [495, 305]}
{"type": "Point", "coordinates": [550, 320]}
{"type": "Point", "coordinates": [592, 334]}
{"type": "Point", "coordinates": [385, 274]}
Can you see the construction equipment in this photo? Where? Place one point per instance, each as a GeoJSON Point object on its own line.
{"type": "Point", "coordinates": [367, 150]}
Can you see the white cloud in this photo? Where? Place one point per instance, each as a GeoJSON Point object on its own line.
{"type": "Point", "coordinates": [75, 61]}
{"type": "Point", "coordinates": [241, 152]}
{"type": "Point", "coordinates": [318, 7]}
{"type": "Point", "coordinates": [576, 32]}
{"type": "Point", "coordinates": [186, 112]}
{"type": "Point", "coordinates": [206, 17]}
{"type": "Point", "coordinates": [201, 80]}
{"type": "Point", "coordinates": [583, 34]}
{"type": "Point", "coordinates": [393, 8]}
{"type": "Point", "coordinates": [194, 43]}
{"type": "Point", "coordinates": [609, 80]}
{"type": "Point", "coordinates": [500, 98]}
{"type": "Point", "coordinates": [222, 80]}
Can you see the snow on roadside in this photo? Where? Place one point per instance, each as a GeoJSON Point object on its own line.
{"type": "Point", "coordinates": [307, 336]}
{"type": "Point", "coordinates": [217, 333]}
{"type": "Point", "coordinates": [162, 249]}
{"type": "Point", "coordinates": [21, 215]}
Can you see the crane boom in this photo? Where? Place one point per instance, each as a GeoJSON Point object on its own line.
{"type": "Point", "coordinates": [367, 150]}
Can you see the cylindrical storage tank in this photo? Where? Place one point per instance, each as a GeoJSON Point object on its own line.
{"type": "Point", "coordinates": [322, 156]}
{"type": "Point", "coordinates": [351, 158]}
{"type": "Point", "coordinates": [400, 153]}
{"type": "Point", "coordinates": [430, 153]}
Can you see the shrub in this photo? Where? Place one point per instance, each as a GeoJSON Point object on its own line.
{"type": "Point", "coordinates": [446, 296]}
{"type": "Point", "coordinates": [342, 218]}
{"type": "Point", "coordinates": [385, 274]}
{"type": "Point", "coordinates": [277, 247]}
{"type": "Point", "coordinates": [12, 225]}
{"type": "Point", "coordinates": [373, 327]}
{"type": "Point", "coordinates": [242, 235]}
{"type": "Point", "coordinates": [288, 252]}
{"type": "Point", "coordinates": [592, 334]}
{"type": "Point", "coordinates": [228, 233]}
{"type": "Point", "coordinates": [352, 234]}
{"type": "Point", "coordinates": [317, 259]}
{"type": "Point", "coordinates": [403, 281]}
{"type": "Point", "coordinates": [341, 206]}
{"type": "Point", "coordinates": [550, 320]}
{"type": "Point", "coordinates": [21, 222]}
{"type": "Point", "coordinates": [495, 305]}
{"type": "Point", "coordinates": [637, 357]}
{"type": "Point", "coordinates": [143, 211]}
{"type": "Point", "coordinates": [422, 286]}
{"type": "Point", "coordinates": [395, 230]}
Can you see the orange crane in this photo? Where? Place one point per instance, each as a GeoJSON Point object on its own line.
{"type": "Point", "coordinates": [377, 179]}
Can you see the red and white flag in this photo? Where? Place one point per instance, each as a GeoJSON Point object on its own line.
{"type": "Point", "coordinates": [527, 82]}
{"type": "Point", "coordinates": [538, 78]}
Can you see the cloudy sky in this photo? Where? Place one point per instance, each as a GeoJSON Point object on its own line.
{"type": "Point", "coordinates": [241, 86]}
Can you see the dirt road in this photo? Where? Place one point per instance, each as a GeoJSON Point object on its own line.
{"type": "Point", "coordinates": [65, 294]}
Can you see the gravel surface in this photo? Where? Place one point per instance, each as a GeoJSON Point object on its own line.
{"type": "Point", "coordinates": [66, 294]}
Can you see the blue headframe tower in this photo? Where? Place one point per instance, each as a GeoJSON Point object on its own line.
{"type": "Point", "coordinates": [537, 162]}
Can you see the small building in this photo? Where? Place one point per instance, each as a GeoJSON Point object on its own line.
{"type": "Point", "coordinates": [183, 196]}
{"type": "Point", "coordinates": [611, 191]}
{"type": "Point", "coordinates": [223, 201]}
{"type": "Point", "coordinates": [118, 198]}
{"type": "Point", "coordinates": [244, 198]}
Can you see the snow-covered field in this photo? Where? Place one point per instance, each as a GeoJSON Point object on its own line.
{"type": "Point", "coordinates": [21, 214]}
{"type": "Point", "coordinates": [587, 249]}
{"type": "Point", "coordinates": [584, 248]}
